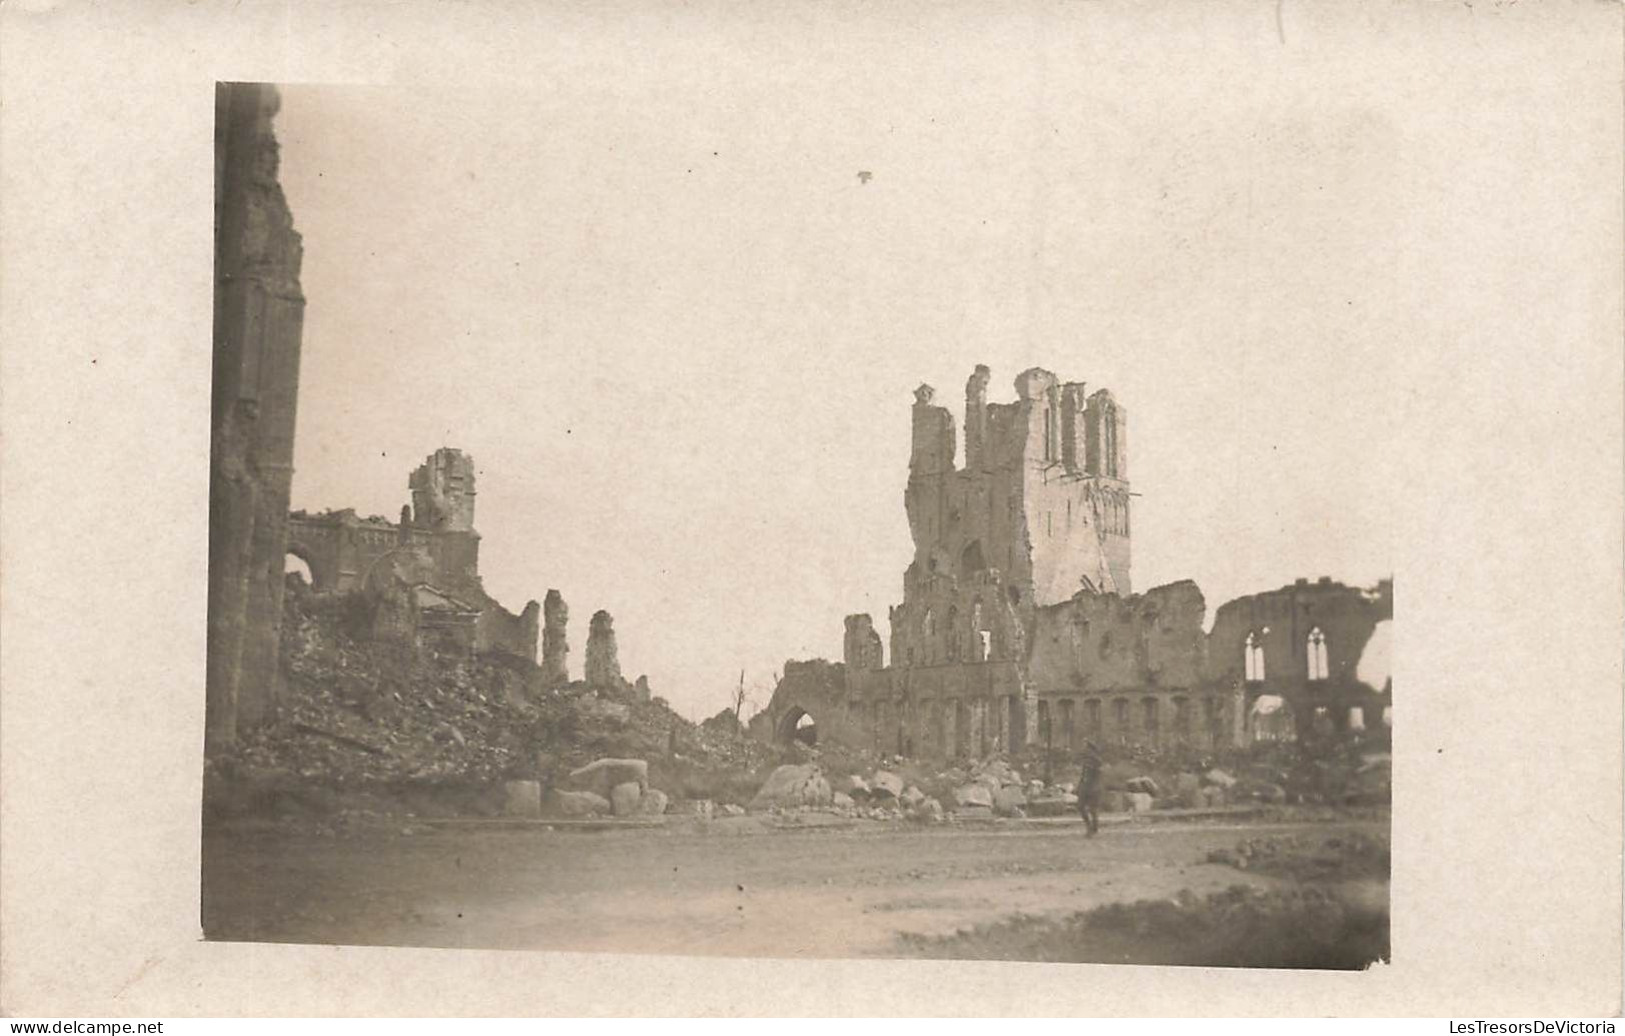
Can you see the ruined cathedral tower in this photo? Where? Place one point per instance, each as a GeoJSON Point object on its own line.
{"type": "Point", "coordinates": [1038, 514]}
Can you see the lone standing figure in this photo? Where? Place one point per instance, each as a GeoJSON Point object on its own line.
{"type": "Point", "coordinates": [1089, 788]}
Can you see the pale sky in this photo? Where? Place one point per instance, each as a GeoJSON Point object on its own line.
{"type": "Point", "coordinates": [679, 335]}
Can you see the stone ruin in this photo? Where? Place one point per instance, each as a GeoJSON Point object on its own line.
{"type": "Point", "coordinates": [429, 559]}
{"type": "Point", "coordinates": [423, 570]}
{"type": "Point", "coordinates": [1018, 627]}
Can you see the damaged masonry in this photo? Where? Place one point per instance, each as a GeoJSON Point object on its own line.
{"type": "Point", "coordinates": [1018, 629]}
{"type": "Point", "coordinates": [389, 762]}
{"type": "Point", "coordinates": [419, 577]}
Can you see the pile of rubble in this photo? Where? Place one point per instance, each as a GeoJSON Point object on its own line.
{"type": "Point", "coordinates": [360, 715]}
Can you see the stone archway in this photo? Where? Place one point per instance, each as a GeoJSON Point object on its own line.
{"type": "Point", "coordinates": [797, 724]}
{"type": "Point", "coordinates": [315, 564]}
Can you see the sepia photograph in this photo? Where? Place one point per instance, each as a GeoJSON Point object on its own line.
{"type": "Point", "coordinates": [758, 643]}
{"type": "Point", "coordinates": [633, 509]}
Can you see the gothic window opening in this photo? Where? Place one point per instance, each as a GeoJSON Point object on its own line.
{"type": "Point", "coordinates": [1318, 668]}
{"type": "Point", "coordinates": [1253, 658]}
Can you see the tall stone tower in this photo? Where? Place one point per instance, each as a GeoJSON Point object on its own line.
{"type": "Point", "coordinates": [1038, 514]}
{"type": "Point", "coordinates": [443, 502]}
{"type": "Point", "coordinates": [443, 492]}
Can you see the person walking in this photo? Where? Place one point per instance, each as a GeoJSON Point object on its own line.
{"type": "Point", "coordinates": [1089, 788]}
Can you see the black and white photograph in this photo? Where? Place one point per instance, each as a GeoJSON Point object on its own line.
{"type": "Point", "coordinates": [842, 488]}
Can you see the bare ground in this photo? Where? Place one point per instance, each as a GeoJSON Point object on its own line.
{"type": "Point", "coordinates": [743, 886]}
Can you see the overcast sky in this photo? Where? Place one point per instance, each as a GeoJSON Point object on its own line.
{"type": "Point", "coordinates": [679, 333]}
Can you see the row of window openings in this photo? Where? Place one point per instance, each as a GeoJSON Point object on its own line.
{"type": "Point", "coordinates": [991, 719]}
{"type": "Point", "coordinates": [1107, 443]}
{"type": "Point", "coordinates": [1120, 714]}
{"type": "Point", "coordinates": [1315, 646]}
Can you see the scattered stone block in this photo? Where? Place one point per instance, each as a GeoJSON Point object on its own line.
{"type": "Point", "coordinates": [602, 775]}
{"type": "Point", "coordinates": [623, 798]}
{"type": "Point", "coordinates": [1010, 801]}
{"type": "Point", "coordinates": [1220, 778]}
{"type": "Point", "coordinates": [886, 784]}
{"type": "Point", "coordinates": [967, 795]}
{"type": "Point", "coordinates": [579, 803]}
{"type": "Point", "coordinates": [793, 785]}
{"type": "Point", "coordinates": [522, 799]}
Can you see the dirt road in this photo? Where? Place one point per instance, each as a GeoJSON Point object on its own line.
{"type": "Point", "coordinates": [734, 886]}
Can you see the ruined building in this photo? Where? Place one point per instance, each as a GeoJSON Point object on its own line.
{"type": "Point", "coordinates": [433, 551]}
{"type": "Point", "coordinates": [258, 317]}
{"type": "Point", "coordinates": [555, 641]}
{"type": "Point", "coordinates": [1019, 627]}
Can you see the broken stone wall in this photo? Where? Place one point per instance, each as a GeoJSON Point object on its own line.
{"type": "Point", "coordinates": [443, 492]}
{"type": "Point", "coordinates": [434, 543]}
{"type": "Point", "coordinates": [817, 689]}
{"type": "Point", "coordinates": [1281, 623]}
{"type": "Point", "coordinates": [555, 641]}
{"type": "Point", "coordinates": [862, 648]}
{"type": "Point", "coordinates": [258, 318]}
{"type": "Point", "coordinates": [499, 629]}
{"type": "Point", "coordinates": [602, 664]}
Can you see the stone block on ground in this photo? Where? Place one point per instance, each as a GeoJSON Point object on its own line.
{"type": "Point", "coordinates": [653, 802]}
{"type": "Point", "coordinates": [886, 784]}
{"type": "Point", "coordinates": [522, 799]}
{"type": "Point", "coordinates": [1220, 778]}
{"type": "Point", "coordinates": [793, 785]}
{"type": "Point", "coordinates": [852, 784]}
{"type": "Point", "coordinates": [579, 803]}
{"type": "Point", "coordinates": [1139, 802]}
{"type": "Point", "coordinates": [973, 795]}
{"type": "Point", "coordinates": [602, 775]}
{"type": "Point", "coordinates": [841, 800]}
{"type": "Point", "coordinates": [911, 797]}
{"type": "Point", "coordinates": [1010, 801]}
{"type": "Point", "coordinates": [623, 798]}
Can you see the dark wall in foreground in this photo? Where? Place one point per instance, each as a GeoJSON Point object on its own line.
{"type": "Point", "coordinates": [258, 317]}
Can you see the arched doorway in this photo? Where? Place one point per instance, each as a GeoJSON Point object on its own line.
{"type": "Point", "coordinates": [311, 566]}
{"type": "Point", "coordinates": [294, 565]}
{"type": "Point", "coordinates": [798, 725]}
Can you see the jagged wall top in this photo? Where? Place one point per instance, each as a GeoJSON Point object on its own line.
{"type": "Point", "coordinates": [443, 491]}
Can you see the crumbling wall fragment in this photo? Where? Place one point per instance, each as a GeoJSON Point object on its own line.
{"type": "Point", "coordinates": [443, 491]}
{"type": "Point", "coordinates": [603, 664]}
{"type": "Point", "coordinates": [555, 641]}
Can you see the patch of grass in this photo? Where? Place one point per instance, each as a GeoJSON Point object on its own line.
{"type": "Point", "coordinates": [1241, 927]}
